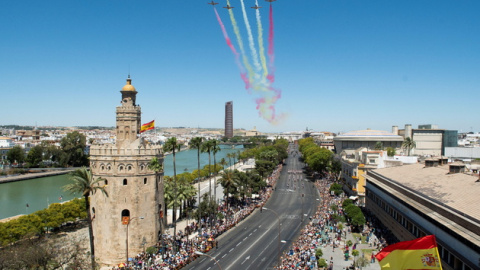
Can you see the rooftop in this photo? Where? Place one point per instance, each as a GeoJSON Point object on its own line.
{"type": "Point", "coordinates": [459, 191]}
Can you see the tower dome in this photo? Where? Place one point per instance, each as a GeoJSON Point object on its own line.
{"type": "Point", "coordinates": [129, 86]}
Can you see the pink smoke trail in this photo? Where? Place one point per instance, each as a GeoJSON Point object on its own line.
{"type": "Point", "coordinates": [243, 74]}
{"type": "Point", "coordinates": [271, 52]}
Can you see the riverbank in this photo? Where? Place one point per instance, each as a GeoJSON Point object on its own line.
{"type": "Point", "coordinates": [28, 176]}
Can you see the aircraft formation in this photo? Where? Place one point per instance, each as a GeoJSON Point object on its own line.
{"type": "Point", "coordinates": [229, 7]}
{"type": "Point", "coordinates": [256, 72]}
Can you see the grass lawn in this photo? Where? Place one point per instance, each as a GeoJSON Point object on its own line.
{"type": "Point", "coordinates": [358, 235]}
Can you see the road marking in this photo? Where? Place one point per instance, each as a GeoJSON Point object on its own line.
{"type": "Point", "coordinates": [224, 255]}
{"type": "Point", "coordinates": [231, 249]}
{"type": "Point", "coordinates": [251, 245]}
{"type": "Point", "coordinates": [255, 230]}
{"type": "Point", "coordinates": [239, 244]}
{"type": "Point", "coordinates": [250, 234]}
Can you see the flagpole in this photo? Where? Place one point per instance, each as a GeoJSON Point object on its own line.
{"type": "Point", "coordinates": [438, 255]}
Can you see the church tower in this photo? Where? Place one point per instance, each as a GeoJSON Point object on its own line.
{"type": "Point", "coordinates": [130, 219]}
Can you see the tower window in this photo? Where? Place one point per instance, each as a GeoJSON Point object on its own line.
{"type": "Point", "coordinates": [125, 216]}
{"type": "Point", "coordinates": [124, 182]}
{"type": "Point", "coordinates": [106, 182]}
{"type": "Point", "coordinates": [129, 168]}
{"type": "Point", "coordinates": [144, 181]}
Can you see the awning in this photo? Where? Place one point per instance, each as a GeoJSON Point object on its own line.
{"type": "Point", "coordinates": [353, 197]}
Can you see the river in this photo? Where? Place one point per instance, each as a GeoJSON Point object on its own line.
{"type": "Point", "coordinates": [40, 192]}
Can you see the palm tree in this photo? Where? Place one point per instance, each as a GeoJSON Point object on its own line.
{"type": "Point", "coordinates": [409, 144]}
{"type": "Point", "coordinates": [229, 184]}
{"type": "Point", "coordinates": [196, 143]}
{"type": "Point", "coordinates": [83, 182]}
{"type": "Point", "coordinates": [229, 156]}
{"type": "Point", "coordinates": [207, 148]}
{"type": "Point", "coordinates": [223, 162]}
{"type": "Point", "coordinates": [172, 145]}
{"type": "Point", "coordinates": [215, 149]}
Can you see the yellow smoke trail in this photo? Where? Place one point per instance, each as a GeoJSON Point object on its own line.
{"type": "Point", "coordinates": [250, 72]}
{"type": "Point", "coordinates": [263, 59]}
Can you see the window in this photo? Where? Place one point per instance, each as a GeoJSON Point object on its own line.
{"type": "Point", "coordinates": [144, 181]}
{"type": "Point", "coordinates": [124, 182]}
{"type": "Point", "coordinates": [106, 182]}
{"type": "Point", "coordinates": [125, 216]}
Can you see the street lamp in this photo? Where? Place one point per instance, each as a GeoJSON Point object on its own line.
{"type": "Point", "coordinates": [201, 253]}
{"type": "Point", "coordinates": [126, 241]}
{"type": "Point", "coordinates": [279, 228]}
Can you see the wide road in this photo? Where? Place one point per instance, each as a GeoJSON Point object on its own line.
{"type": "Point", "coordinates": [255, 242]}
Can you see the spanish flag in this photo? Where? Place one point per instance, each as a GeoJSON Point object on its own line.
{"type": "Point", "coordinates": [421, 253]}
{"type": "Point", "coordinates": [147, 126]}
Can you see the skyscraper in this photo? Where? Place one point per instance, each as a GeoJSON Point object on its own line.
{"type": "Point", "coordinates": [229, 119]}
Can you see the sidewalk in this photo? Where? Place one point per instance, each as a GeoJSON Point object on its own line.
{"type": "Point", "coordinates": [339, 254]}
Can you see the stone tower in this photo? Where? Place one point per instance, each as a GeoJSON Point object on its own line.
{"type": "Point", "coordinates": [130, 219]}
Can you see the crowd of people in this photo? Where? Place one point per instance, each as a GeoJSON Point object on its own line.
{"type": "Point", "coordinates": [178, 252]}
{"type": "Point", "coordinates": [320, 232]}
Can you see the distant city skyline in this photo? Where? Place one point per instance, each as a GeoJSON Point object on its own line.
{"type": "Point", "coordinates": [341, 66]}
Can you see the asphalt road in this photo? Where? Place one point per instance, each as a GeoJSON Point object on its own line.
{"type": "Point", "coordinates": [255, 242]}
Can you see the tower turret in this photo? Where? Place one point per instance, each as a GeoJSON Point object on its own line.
{"type": "Point", "coordinates": [128, 115]}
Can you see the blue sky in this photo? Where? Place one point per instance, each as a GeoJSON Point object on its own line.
{"type": "Point", "coordinates": [341, 65]}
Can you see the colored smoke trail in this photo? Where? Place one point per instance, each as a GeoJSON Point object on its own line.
{"type": "Point", "coordinates": [263, 59]}
{"type": "Point", "coordinates": [256, 71]}
{"type": "Point", "coordinates": [250, 72]}
{"type": "Point", "coordinates": [237, 56]}
{"type": "Point", "coordinates": [271, 52]}
{"type": "Point", "coordinates": [251, 42]}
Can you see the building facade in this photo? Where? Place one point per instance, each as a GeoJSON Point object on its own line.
{"type": "Point", "coordinates": [366, 138]}
{"type": "Point", "coordinates": [417, 200]}
{"type": "Point", "coordinates": [131, 217]}
{"type": "Point", "coordinates": [229, 119]}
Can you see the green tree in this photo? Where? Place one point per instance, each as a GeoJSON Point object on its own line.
{"type": "Point", "coordinates": [215, 149]}
{"type": "Point", "coordinates": [336, 188]}
{"type": "Point", "coordinates": [378, 146]}
{"type": "Point", "coordinates": [322, 263]}
{"type": "Point", "coordinates": [320, 160]}
{"type": "Point", "coordinates": [196, 143]}
{"type": "Point", "coordinates": [16, 155]}
{"type": "Point", "coordinates": [228, 183]}
{"type": "Point", "coordinates": [207, 147]}
{"type": "Point", "coordinates": [35, 156]}
{"type": "Point", "coordinates": [73, 145]}
{"type": "Point", "coordinates": [409, 144]}
{"type": "Point", "coordinates": [82, 182]}
{"type": "Point", "coordinates": [355, 253]}
{"type": "Point", "coordinates": [391, 151]}
{"type": "Point", "coordinates": [173, 145]}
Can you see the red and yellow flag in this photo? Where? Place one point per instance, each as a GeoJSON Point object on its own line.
{"type": "Point", "coordinates": [421, 253]}
{"type": "Point", "coordinates": [147, 126]}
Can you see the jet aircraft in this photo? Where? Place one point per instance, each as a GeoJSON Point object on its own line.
{"type": "Point", "coordinates": [228, 7]}
{"type": "Point", "coordinates": [212, 3]}
{"type": "Point", "coordinates": [256, 7]}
